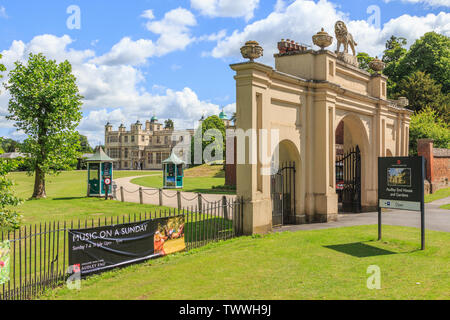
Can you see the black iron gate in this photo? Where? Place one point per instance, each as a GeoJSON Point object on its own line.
{"type": "Point", "coordinates": [283, 195]}
{"type": "Point", "coordinates": [348, 180]}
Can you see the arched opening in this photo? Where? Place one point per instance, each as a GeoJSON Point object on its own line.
{"type": "Point", "coordinates": [351, 164]}
{"type": "Point", "coordinates": [285, 184]}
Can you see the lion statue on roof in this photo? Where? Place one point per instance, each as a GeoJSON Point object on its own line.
{"type": "Point", "coordinates": [344, 37]}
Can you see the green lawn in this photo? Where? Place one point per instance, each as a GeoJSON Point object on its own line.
{"type": "Point", "coordinates": [446, 206]}
{"type": "Point", "coordinates": [440, 194]}
{"type": "Point", "coordinates": [67, 199]}
{"type": "Point", "coordinates": [200, 179]}
{"type": "Point", "coordinates": [320, 264]}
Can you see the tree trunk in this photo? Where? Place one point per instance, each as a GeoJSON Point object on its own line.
{"type": "Point", "coordinates": [39, 184]}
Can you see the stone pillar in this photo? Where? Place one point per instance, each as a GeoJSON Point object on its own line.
{"type": "Point", "coordinates": [326, 199]}
{"type": "Point", "coordinates": [309, 199]}
{"type": "Point", "coordinates": [257, 206]}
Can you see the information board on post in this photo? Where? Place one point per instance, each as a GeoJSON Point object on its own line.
{"type": "Point", "coordinates": [401, 186]}
{"type": "Point", "coordinates": [95, 250]}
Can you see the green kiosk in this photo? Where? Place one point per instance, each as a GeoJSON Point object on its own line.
{"type": "Point", "coordinates": [100, 174]}
{"type": "Point", "coordinates": [173, 172]}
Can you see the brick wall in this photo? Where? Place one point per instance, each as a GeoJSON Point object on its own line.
{"type": "Point", "coordinates": [437, 164]}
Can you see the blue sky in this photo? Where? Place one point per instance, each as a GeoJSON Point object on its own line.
{"type": "Point", "coordinates": [171, 58]}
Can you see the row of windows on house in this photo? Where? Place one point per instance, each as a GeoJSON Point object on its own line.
{"type": "Point", "coordinates": [115, 139]}
{"type": "Point", "coordinates": [152, 157]}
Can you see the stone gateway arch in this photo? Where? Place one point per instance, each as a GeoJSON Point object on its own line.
{"type": "Point", "coordinates": [314, 99]}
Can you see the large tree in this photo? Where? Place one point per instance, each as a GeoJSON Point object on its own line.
{"type": "Point", "coordinates": [422, 91]}
{"type": "Point", "coordinates": [395, 51]}
{"type": "Point", "coordinates": [46, 105]}
{"type": "Point", "coordinates": [205, 135]}
{"type": "Point", "coordinates": [430, 54]}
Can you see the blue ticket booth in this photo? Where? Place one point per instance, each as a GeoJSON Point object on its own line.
{"type": "Point", "coordinates": [100, 169]}
{"type": "Point", "coordinates": [173, 172]}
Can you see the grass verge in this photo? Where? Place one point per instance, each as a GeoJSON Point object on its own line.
{"type": "Point", "coordinates": [319, 264]}
{"type": "Point", "coordinates": [202, 179]}
{"type": "Point", "coordinates": [66, 199]}
{"type": "Point", "coordinates": [438, 195]}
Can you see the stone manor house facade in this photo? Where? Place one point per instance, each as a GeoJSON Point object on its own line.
{"type": "Point", "coordinates": [144, 147]}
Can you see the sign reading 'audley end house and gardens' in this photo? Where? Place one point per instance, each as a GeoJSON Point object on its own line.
{"type": "Point", "coordinates": [401, 186]}
{"type": "Point", "coordinates": [400, 183]}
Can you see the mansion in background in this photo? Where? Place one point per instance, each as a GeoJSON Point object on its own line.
{"type": "Point", "coordinates": [144, 148]}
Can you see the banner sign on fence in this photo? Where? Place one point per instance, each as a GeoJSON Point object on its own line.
{"type": "Point", "coordinates": [400, 183]}
{"type": "Point", "coordinates": [103, 248]}
{"type": "Point", "coordinates": [4, 261]}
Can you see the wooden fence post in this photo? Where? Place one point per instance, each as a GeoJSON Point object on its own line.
{"type": "Point", "coordinates": [160, 197]}
{"type": "Point", "coordinates": [141, 196]}
{"type": "Point", "coordinates": [225, 208]}
{"type": "Point", "coordinates": [121, 194]}
{"type": "Point", "coordinates": [179, 199]}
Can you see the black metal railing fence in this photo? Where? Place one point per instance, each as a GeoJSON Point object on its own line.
{"type": "Point", "coordinates": [39, 253]}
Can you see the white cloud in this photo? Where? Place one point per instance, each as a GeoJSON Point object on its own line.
{"type": "Point", "coordinates": [303, 18]}
{"type": "Point", "coordinates": [431, 3]}
{"type": "Point", "coordinates": [128, 52]}
{"type": "Point", "coordinates": [173, 30]}
{"type": "Point", "coordinates": [174, 34]}
{"type": "Point", "coordinates": [226, 8]}
{"type": "Point", "coordinates": [114, 90]}
{"type": "Point", "coordinates": [148, 14]}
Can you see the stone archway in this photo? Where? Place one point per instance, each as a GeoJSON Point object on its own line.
{"type": "Point", "coordinates": [305, 97]}
{"type": "Point", "coordinates": [351, 133]}
{"type": "Point", "coordinates": [286, 164]}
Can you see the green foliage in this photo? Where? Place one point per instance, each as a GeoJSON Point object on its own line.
{"type": "Point", "coordinates": [9, 218]}
{"type": "Point", "coordinates": [422, 91]}
{"type": "Point", "coordinates": [426, 124]}
{"type": "Point", "coordinates": [85, 147]}
{"type": "Point", "coordinates": [2, 67]}
{"type": "Point", "coordinates": [206, 134]}
{"type": "Point", "coordinates": [395, 50]}
{"type": "Point", "coordinates": [233, 117]}
{"type": "Point", "coordinates": [46, 105]}
{"type": "Point", "coordinates": [364, 59]}
{"type": "Point", "coordinates": [422, 73]}
{"type": "Point", "coordinates": [168, 124]}
{"type": "Point", "coordinates": [9, 145]}
{"type": "Point", "coordinates": [430, 54]}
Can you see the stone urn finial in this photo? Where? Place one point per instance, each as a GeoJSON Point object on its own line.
{"type": "Point", "coordinates": [252, 50]}
{"type": "Point", "coordinates": [322, 39]}
{"type": "Point", "coordinates": [377, 65]}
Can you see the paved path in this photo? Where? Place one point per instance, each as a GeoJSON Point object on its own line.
{"type": "Point", "coordinates": [435, 219]}
{"type": "Point", "coordinates": [151, 196]}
